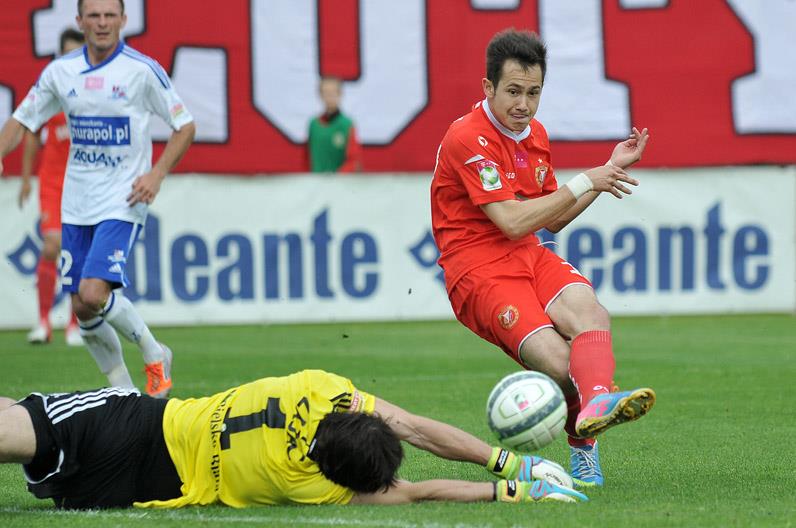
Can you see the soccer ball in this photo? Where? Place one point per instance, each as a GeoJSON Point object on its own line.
{"type": "Point", "coordinates": [526, 410]}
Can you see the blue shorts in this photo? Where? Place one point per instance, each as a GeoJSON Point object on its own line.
{"type": "Point", "coordinates": [96, 252]}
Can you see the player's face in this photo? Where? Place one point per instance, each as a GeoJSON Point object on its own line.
{"type": "Point", "coordinates": [330, 95]}
{"type": "Point", "coordinates": [102, 22]}
{"type": "Point", "coordinates": [515, 99]}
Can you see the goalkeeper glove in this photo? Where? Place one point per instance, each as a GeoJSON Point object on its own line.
{"type": "Point", "coordinates": [537, 491]}
{"type": "Point", "coordinates": [525, 468]}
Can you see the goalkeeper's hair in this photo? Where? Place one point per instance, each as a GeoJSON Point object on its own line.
{"type": "Point", "coordinates": [358, 451]}
{"type": "Point", "coordinates": [523, 46]}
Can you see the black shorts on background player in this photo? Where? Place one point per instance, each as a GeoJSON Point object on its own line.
{"type": "Point", "coordinates": [99, 449]}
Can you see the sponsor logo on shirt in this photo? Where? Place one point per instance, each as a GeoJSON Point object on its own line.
{"type": "Point", "coordinates": [521, 159]}
{"type": "Point", "coordinates": [482, 141]}
{"type": "Point", "coordinates": [489, 174]}
{"type": "Point", "coordinates": [96, 158]}
{"type": "Point", "coordinates": [177, 110]}
{"type": "Point", "coordinates": [72, 93]}
{"type": "Point", "coordinates": [100, 130]}
{"type": "Point", "coordinates": [94, 83]}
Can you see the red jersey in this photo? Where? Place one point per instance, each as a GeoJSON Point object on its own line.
{"type": "Point", "coordinates": [55, 153]}
{"type": "Point", "coordinates": [480, 162]}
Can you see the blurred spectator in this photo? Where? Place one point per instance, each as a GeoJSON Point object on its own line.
{"type": "Point", "coordinates": [54, 137]}
{"type": "Point", "coordinates": [332, 145]}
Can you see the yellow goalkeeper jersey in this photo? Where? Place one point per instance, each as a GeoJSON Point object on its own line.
{"type": "Point", "coordinates": [248, 445]}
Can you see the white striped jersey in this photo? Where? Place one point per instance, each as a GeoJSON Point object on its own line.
{"type": "Point", "coordinates": [108, 108]}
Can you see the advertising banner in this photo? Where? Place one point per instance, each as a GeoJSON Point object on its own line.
{"type": "Point", "coordinates": [302, 248]}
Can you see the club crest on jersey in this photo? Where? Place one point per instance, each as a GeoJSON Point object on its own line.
{"type": "Point", "coordinates": [541, 173]}
{"type": "Point", "coordinates": [118, 92]}
{"type": "Point", "coordinates": [489, 174]}
{"type": "Point", "coordinates": [94, 83]}
{"type": "Point", "coordinates": [508, 317]}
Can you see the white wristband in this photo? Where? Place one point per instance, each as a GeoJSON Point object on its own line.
{"type": "Point", "coordinates": [580, 185]}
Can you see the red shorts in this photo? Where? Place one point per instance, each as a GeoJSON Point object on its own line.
{"type": "Point", "coordinates": [50, 189]}
{"type": "Point", "coordinates": [506, 301]}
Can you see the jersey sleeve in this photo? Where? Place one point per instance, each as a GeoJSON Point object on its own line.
{"type": "Point", "coordinates": [40, 104]}
{"type": "Point", "coordinates": [162, 99]}
{"type": "Point", "coordinates": [345, 397]}
{"type": "Point", "coordinates": [478, 169]}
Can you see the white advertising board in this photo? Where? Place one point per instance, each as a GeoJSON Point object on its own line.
{"type": "Point", "coordinates": [305, 248]}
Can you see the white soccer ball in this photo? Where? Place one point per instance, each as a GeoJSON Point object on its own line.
{"type": "Point", "coordinates": [526, 410]}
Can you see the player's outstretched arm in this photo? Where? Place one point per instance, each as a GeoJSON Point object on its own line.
{"type": "Point", "coordinates": [10, 136]}
{"type": "Point", "coordinates": [404, 492]}
{"type": "Point", "coordinates": [430, 435]}
{"type": "Point", "coordinates": [450, 442]}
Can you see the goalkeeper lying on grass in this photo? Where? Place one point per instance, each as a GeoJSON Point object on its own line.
{"type": "Point", "coordinates": [308, 438]}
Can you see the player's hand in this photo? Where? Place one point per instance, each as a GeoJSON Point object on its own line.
{"type": "Point", "coordinates": [630, 151]}
{"type": "Point", "coordinates": [24, 191]}
{"type": "Point", "coordinates": [538, 468]}
{"type": "Point", "coordinates": [538, 491]}
{"type": "Point", "coordinates": [145, 188]}
{"type": "Point", "coordinates": [610, 178]}
{"type": "Point", "coordinates": [526, 468]}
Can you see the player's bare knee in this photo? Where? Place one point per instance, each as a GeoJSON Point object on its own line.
{"type": "Point", "coordinates": [93, 295]}
{"type": "Point", "coordinates": [17, 439]}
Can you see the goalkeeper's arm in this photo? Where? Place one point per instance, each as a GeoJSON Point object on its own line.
{"type": "Point", "coordinates": [404, 492]}
{"type": "Point", "coordinates": [452, 443]}
{"type": "Point", "coordinates": [430, 435]}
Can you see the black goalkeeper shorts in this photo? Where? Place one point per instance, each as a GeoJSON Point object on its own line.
{"type": "Point", "coordinates": [99, 449]}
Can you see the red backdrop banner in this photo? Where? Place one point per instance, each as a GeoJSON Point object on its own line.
{"type": "Point", "coordinates": [710, 79]}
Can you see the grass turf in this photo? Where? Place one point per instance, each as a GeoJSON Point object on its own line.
{"type": "Point", "coordinates": [715, 451]}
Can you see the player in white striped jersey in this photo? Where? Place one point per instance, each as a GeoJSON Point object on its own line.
{"type": "Point", "coordinates": [109, 92]}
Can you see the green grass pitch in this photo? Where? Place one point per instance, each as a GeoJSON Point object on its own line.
{"type": "Point", "coordinates": [717, 449]}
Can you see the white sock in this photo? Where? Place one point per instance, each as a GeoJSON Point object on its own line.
{"type": "Point", "coordinates": [106, 349]}
{"type": "Point", "coordinates": [122, 315]}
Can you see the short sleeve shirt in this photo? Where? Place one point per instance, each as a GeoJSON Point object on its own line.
{"type": "Point", "coordinates": [108, 107]}
{"type": "Point", "coordinates": [479, 162]}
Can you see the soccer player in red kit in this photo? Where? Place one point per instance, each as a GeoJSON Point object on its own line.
{"type": "Point", "coordinates": [54, 138]}
{"type": "Point", "coordinates": [494, 186]}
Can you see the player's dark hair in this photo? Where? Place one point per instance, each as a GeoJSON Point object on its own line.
{"type": "Point", "coordinates": [80, 7]}
{"type": "Point", "coordinates": [70, 34]}
{"type": "Point", "coordinates": [523, 46]}
{"type": "Point", "coordinates": [358, 451]}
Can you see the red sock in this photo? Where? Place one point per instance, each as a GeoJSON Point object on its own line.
{"type": "Point", "coordinates": [72, 320]}
{"type": "Point", "coordinates": [591, 364]}
{"type": "Point", "coordinates": [45, 283]}
{"type": "Point", "coordinates": [573, 408]}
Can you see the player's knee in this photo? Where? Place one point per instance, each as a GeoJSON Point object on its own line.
{"type": "Point", "coordinates": [91, 299]}
{"type": "Point", "coordinates": [17, 440]}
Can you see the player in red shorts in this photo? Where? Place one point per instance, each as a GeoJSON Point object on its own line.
{"type": "Point", "coordinates": [55, 140]}
{"type": "Point", "coordinates": [494, 186]}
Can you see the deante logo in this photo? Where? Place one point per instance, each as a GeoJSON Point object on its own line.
{"type": "Point", "coordinates": [25, 257]}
